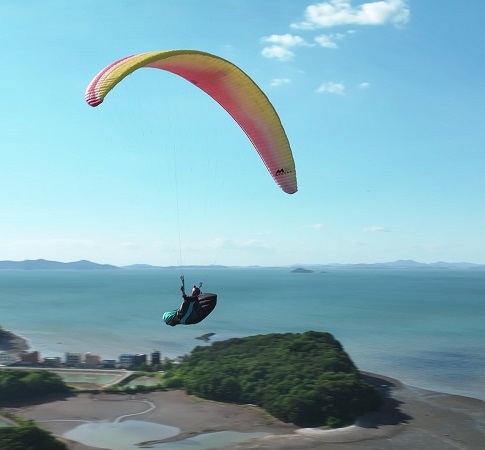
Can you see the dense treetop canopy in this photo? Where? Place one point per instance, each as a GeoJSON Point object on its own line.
{"type": "Point", "coordinates": [306, 379]}
{"type": "Point", "coordinates": [23, 384]}
{"type": "Point", "coordinates": [28, 437]}
{"type": "Point", "coordinates": [28, 384]}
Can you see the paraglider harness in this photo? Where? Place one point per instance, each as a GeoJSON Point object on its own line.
{"type": "Point", "coordinates": [193, 310]}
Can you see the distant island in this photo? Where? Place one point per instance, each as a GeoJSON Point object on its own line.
{"type": "Point", "coordinates": [43, 264]}
{"type": "Point", "coordinates": [205, 337]}
{"type": "Point", "coordinates": [301, 270]}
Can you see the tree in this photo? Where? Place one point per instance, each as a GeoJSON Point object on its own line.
{"type": "Point", "coordinates": [28, 437]}
{"type": "Point", "coordinates": [19, 384]}
{"type": "Point", "coordinates": [307, 379]}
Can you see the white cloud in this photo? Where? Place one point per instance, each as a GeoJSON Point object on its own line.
{"type": "Point", "coordinates": [57, 249]}
{"type": "Point", "coordinates": [364, 85]}
{"type": "Point", "coordinates": [285, 40]}
{"type": "Point", "coordinates": [317, 226]}
{"type": "Point", "coordinates": [333, 13]}
{"type": "Point", "coordinates": [341, 12]}
{"type": "Point", "coordinates": [234, 244]}
{"type": "Point", "coordinates": [276, 82]}
{"type": "Point", "coordinates": [281, 44]}
{"type": "Point", "coordinates": [328, 40]}
{"type": "Point", "coordinates": [377, 229]}
{"type": "Point", "coordinates": [331, 87]}
{"type": "Point", "coordinates": [55, 243]}
{"type": "Point", "coordinates": [277, 52]}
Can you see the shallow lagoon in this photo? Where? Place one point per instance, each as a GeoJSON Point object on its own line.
{"type": "Point", "coordinates": [210, 441]}
{"type": "Point", "coordinates": [126, 435]}
{"type": "Point", "coordinates": [120, 435]}
{"type": "Point", "coordinates": [92, 378]}
{"type": "Point", "coordinates": [144, 381]}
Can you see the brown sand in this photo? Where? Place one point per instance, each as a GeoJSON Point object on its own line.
{"type": "Point", "coordinates": [410, 419]}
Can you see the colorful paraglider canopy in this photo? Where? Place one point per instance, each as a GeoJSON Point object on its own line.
{"type": "Point", "coordinates": [235, 91]}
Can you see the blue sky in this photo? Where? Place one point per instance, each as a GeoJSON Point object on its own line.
{"type": "Point", "coordinates": [382, 102]}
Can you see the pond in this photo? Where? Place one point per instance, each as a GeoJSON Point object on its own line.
{"type": "Point", "coordinates": [100, 379]}
{"type": "Point", "coordinates": [120, 435]}
{"type": "Point", "coordinates": [144, 381]}
{"type": "Point", "coordinates": [126, 435]}
{"type": "Point", "coordinates": [210, 441]}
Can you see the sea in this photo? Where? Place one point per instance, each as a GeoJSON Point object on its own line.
{"type": "Point", "coordinates": [424, 327]}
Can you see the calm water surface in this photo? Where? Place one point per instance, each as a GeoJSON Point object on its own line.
{"type": "Point", "coordinates": [424, 327]}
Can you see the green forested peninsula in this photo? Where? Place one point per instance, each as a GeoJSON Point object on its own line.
{"type": "Point", "coordinates": [306, 379]}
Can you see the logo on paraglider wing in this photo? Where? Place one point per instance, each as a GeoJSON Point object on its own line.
{"type": "Point", "coordinates": [282, 171]}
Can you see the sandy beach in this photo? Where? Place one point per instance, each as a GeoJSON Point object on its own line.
{"type": "Point", "coordinates": [409, 419]}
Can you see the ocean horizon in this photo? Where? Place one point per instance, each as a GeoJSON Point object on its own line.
{"type": "Point", "coordinates": [423, 327]}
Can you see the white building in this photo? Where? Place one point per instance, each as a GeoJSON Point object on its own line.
{"type": "Point", "coordinates": [91, 360]}
{"type": "Point", "coordinates": [52, 361]}
{"type": "Point", "coordinates": [73, 359]}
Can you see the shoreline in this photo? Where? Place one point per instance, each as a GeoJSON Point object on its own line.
{"type": "Point", "coordinates": [12, 343]}
{"type": "Point", "coordinates": [409, 418]}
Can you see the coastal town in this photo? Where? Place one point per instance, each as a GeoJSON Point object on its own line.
{"type": "Point", "coordinates": [79, 360]}
{"type": "Point", "coordinates": [15, 352]}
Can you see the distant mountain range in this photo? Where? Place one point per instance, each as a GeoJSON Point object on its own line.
{"type": "Point", "coordinates": [405, 264]}
{"type": "Point", "coordinates": [148, 266]}
{"type": "Point", "coordinates": [42, 264]}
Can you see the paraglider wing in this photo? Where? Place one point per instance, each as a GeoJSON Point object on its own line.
{"type": "Point", "coordinates": [235, 91]}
